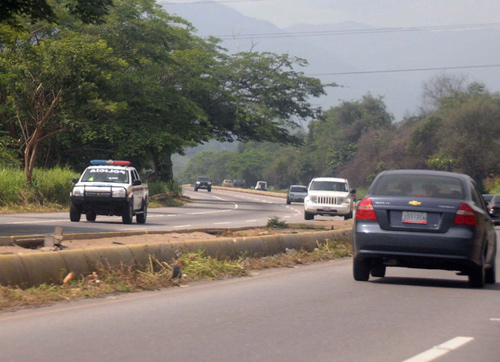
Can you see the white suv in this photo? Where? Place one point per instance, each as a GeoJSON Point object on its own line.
{"type": "Point", "coordinates": [329, 196]}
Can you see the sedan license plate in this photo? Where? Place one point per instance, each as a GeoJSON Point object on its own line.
{"type": "Point", "coordinates": [412, 217]}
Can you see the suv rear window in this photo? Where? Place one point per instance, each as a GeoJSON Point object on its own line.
{"type": "Point", "coordinates": [298, 189]}
{"type": "Point", "coordinates": [418, 185]}
{"type": "Point", "coordinates": [328, 186]}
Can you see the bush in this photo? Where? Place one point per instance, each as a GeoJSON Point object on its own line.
{"type": "Point", "coordinates": [12, 186]}
{"type": "Point", "coordinates": [160, 187]}
{"type": "Point", "coordinates": [54, 185]}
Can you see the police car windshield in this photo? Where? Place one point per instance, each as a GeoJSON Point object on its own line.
{"type": "Point", "coordinates": [108, 175]}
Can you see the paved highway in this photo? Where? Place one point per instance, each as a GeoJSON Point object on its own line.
{"type": "Point", "coordinates": [314, 313]}
{"type": "Point", "coordinates": [216, 209]}
{"type": "Point", "coordinates": [310, 313]}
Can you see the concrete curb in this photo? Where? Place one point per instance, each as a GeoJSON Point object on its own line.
{"type": "Point", "coordinates": [27, 270]}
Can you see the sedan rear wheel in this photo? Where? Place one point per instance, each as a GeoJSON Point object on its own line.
{"type": "Point", "coordinates": [477, 275]}
{"type": "Point", "coordinates": [490, 277]}
{"type": "Point", "coordinates": [378, 270]}
{"type": "Point", "coordinates": [360, 270]}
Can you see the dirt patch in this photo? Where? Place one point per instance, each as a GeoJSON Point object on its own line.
{"type": "Point", "coordinates": [72, 244]}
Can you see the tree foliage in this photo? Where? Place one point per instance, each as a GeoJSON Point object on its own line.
{"type": "Point", "coordinates": [140, 85]}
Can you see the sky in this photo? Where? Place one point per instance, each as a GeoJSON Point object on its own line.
{"type": "Point", "coordinates": [377, 13]}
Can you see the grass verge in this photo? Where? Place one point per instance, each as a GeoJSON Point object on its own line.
{"type": "Point", "coordinates": [193, 266]}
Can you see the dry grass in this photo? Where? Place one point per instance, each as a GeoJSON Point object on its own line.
{"type": "Point", "coordinates": [157, 274]}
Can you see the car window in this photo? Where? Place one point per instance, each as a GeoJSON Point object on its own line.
{"type": "Point", "coordinates": [203, 178]}
{"type": "Point", "coordinates": [105, 175]}
{"type": "Point", "coordinates": [298, 189]}
{"type": "Point", "coordinates": [328, 186]}
{"type": "Point", "coordinates": [488, 197]}
{"type": "Point", "coordinates": [476, 197]}
{"type": "Point", "coordinates": [418, 185]}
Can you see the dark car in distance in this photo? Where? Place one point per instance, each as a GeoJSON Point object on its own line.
{"type": "Point", "coordinates": [488, 197]}
{"type": "Point", "coordinates": [203, 182]}
{"type": "Point", "coordinates": [424, 219]}
{"type": "Point", "coordinates": [494, 209]}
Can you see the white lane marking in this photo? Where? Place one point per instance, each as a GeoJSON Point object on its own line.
{"type": "Point", "coordinates": [207, 212]}
{"type": "Point", "coordinates": [182, 226]}
{"type": "Point", "coordinates": [438, 351]}
{"type": "Point", "coordinates": [251, 220]}
{"type": "Point", "coordinates": [37, 222]}
{"type": "Point", "coordinates": [495, 319]}
{"type": "Point", "coordinates": [221, 223]}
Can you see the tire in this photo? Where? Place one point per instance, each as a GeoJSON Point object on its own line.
{"type": "Point", "coordinates": [128, 213]}
{"type": "Point", "coordinates": [74, 213]}
{"type": "Point", "coordinates": [477, 275]}
{"type": "Point", "coordinates": [195, 189]}
{"type": "Point", "coordinates": [209, 189]}
{"type": "Point", "coordinates": [378, 270]}
{"type": "Point", "coordinates": [288, 202]}
{"type": "Point", "coordinates": [141, 218]}
{"type": "Point", "coordinates": [348, 216]}
{"type": "Point", "coordinates": [490, 277]}
{"type": "Point", "coordinates": [308, 216]}
{"type": "Point", "coordinates": [360, 270]}
{"type": "Point", "coordinates": [90, 216]}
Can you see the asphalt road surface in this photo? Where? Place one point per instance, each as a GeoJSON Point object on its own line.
{"type": "Point", "coordinates": [216, 209]}
{"type": "Point", "coordinates": [310, 313]}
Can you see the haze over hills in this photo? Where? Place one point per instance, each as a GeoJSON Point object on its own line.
{"type": "Point", "coordinates": [352, 47]}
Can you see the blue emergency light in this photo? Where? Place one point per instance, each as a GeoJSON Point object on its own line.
{"type": "Point", "coordinates": [109, 163]}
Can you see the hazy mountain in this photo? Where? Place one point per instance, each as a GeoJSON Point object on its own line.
{"type": "Point", "coordinates": [228, 24]}
{"type": "Point", "coordinates": [355, 51]}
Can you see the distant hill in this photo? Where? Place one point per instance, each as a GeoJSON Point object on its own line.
{"type": "Point", "coordinates": [369, 51]}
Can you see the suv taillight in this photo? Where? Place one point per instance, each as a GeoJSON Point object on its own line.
{"type": "Point", "coordinates": [365, 210]}
{"type": "Point", "coordinates": [465, 215]}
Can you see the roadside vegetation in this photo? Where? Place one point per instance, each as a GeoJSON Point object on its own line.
{"type": "Point", "coordinates": [193, 266]}
{"type": "Point", "coordinates": [49, 191]}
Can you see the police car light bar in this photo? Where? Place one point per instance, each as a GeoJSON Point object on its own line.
{"type": "Point", "coordinates": [110, 162]}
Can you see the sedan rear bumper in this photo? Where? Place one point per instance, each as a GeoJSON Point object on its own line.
{"type": "Point", "coordinates": [456, 249]}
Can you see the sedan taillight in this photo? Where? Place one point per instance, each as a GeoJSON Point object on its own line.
{"type": "Point", "coordinates": [465, 215]}
{"type": "Point", "coordinates": [365, 210]}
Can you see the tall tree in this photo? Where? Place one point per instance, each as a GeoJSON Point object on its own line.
{"type": "Point", "coordinates": [54, 86]}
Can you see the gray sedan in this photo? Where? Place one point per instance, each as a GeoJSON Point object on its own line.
{"type": "Point", "coordinates": [424, 219]}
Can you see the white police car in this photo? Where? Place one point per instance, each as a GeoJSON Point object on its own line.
{"type": "Point", "coordinates": [111, 188]}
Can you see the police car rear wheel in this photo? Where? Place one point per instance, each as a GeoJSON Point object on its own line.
{"type": "Point", "coordinates": [90, 216]}
{"type": "Point", "coordinates": [128, 213]}
{"type": "Point", "coordinates": [141, 218]}
{"type": "Point", "coordinates": [74, 213]}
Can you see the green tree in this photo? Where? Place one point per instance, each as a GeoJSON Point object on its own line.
{"type": "Point", "coordinates": [471, 136]}
{"type": "Point", "coordinates": [52, 87]}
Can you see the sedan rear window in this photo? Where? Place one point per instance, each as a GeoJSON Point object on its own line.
{"type": "Point", "coordinates": [298, 189]}
{"type": "Point", "coordinates": [418, 185]}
